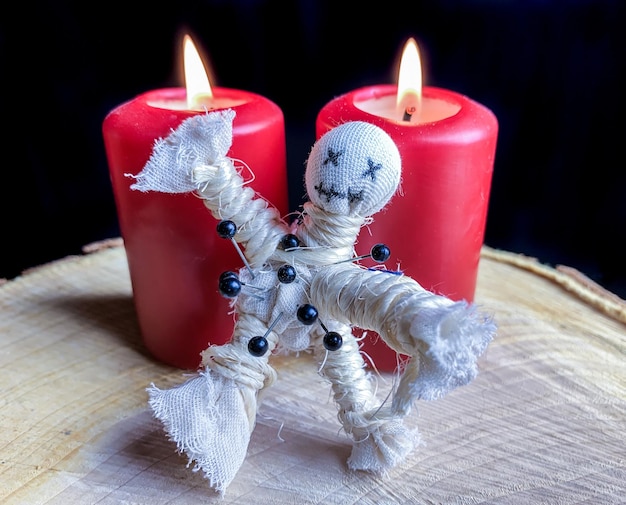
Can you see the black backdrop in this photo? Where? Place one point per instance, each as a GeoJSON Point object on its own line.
{"type": "Point", "coordinates": [551, 71]}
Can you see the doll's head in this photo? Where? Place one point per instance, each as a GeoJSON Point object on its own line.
{"type": "Point", "coordinates": [353, 170]}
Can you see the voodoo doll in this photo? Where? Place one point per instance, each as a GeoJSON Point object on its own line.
{"type": "Point", "coordinates": [302, 288]}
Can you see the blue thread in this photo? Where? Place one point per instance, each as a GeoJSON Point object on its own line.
{"type": "Point", "coordinates": [392, 272]}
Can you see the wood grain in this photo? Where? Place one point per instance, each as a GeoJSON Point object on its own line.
{"type": "Point", "coordinates": [544, 422]}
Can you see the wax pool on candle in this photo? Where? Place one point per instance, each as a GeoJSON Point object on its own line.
{"type": "Point", "coordinates": [175, 255]}
{"type": "Point", "coordinates": [435, 227]}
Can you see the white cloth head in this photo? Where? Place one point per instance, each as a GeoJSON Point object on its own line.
{"type": "Point", "coordinates": [353, 169]}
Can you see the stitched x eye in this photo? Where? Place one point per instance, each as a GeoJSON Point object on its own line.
{"type": "Point", "coordinates": [372, 169]}
{"type": "Point", "coordinates": [332, 156]}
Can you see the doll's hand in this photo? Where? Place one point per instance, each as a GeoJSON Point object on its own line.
{"type": "Point", "coordinates": [449, 339]}
{"type": "Point", "coordinates": [200, 141]}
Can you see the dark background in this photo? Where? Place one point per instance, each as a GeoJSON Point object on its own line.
{"type": "Point", "coordinates": [551, 71]}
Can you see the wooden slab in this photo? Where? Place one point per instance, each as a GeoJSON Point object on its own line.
{"type": "Point", "coordinates": [544, 422]}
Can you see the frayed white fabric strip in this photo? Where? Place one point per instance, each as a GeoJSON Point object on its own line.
{"type": "Point", "coordinates": [211, 416]}
{"type": "Point", "coordinates": [206, 418]}
{"type": "Point", "coordinates": [200, 140]}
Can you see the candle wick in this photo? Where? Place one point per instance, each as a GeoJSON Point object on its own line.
{"type": "Point", "coordinates": [408, 113]}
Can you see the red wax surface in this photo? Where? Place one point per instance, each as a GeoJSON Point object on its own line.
{"type": "Point", "coordinates": [436, 228]}
{"type": "Point", "coordinates": [175, 255]}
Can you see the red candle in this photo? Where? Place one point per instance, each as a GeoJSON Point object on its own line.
{"type": "Point", "coordinates": [175, 255]}
{"type": "Point", "coordinates": [435, 227]}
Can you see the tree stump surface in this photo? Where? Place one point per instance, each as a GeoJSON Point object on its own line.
{"type": "Point", "coordinates": [544, 421]}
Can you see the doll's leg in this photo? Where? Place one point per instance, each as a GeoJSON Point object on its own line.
{"type": "Point", "coordinates": [245, 361]}
{"type": "Point", "coordinates": [211, 416]}
{"type": "Point", "coordinates": [380, 439]}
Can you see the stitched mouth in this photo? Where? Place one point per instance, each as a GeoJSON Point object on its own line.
{"type": "Point", "coordinates": [332, 193]}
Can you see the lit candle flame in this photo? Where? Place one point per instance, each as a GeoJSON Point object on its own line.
{"type": "Point", "coordinates": [409, 95]}
{"type": "Point", "coordinates": [196, 78]}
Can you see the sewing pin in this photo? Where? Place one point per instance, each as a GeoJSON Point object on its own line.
{"type": "Point", "coordinates": [227, 229]}
{"type": "Point", "coordinates": [230, 285]}
{"type": "Point", "coordinates": [307, 314]}
{"type": "Point", "coordinates": [379, 253]}
{"type": "Point", "coordinates": [258, 346]}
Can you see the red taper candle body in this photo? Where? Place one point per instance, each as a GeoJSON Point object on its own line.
{"type": "Point", "coordinates": [435, 226]}
{"type": "Point", "coordinates": [175, 255]}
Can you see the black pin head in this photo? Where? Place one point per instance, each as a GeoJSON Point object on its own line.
{"type": "Point", "coordinates": [228, 274]}
{"type": "Point", "coordinates": [307, 314]}
{"type": "Point", "coordinates": [289, 241]}
{"type": "Point", "coordinates": [258, 346]}
{"type": "Point", "coordinates": [333, 341]}
{"type": "Point", "coordinates": [286, 274]}
{"type": "Point", "coordinates": [226, 229]}
{"type": "Point", "coordinates": [229, 284]}
{"type": "Point", "coordinates": [380, 253]}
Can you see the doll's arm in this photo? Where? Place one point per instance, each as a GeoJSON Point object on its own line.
{"type": "Point", "coordinates": [443, 337]}
{"type": "Point", "coordinates": [193, 159]}
{"type": "Point", "coordinates": [225, 194]}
